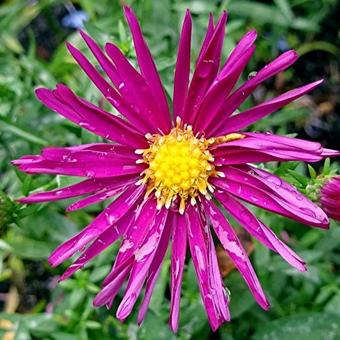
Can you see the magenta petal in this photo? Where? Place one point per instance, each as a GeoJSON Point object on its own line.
{"type": "Point", "coordinates": [257, 229]}
{"type": "Point", "coordinates": [109, 292]}
{"type": "Point", "coordinates": [92, 73]}
{"type": "Point", "coordinates": [134, 237]}
{"type": "Point", "coordinates": [216, 281]}
{"type": "Point", "coordinates": [155, 267]}
{"type": "Point", "coordinates": [101, 149]}
{"type": "Point", "coordinates": [89, 160]}
{"type": "Point", "coordinates": [83, 168]}
{"type": "Point", "coordinates": [100, 196]}
{"type": "Point", "coordinates": [330, 153]}
{"type": "Point", "coordinates": [82, 188]}
{"type": "Point", "coordinates": [240, 95]}
{"type": "Point", "coordinates": [288, 142]}
{"type": "Point", "coordinates": [205, 72]}
{"type": "Point", "coordinates": [182, 71]}
{"type": "Point", "coordinates": [121, 104]}
{"type": "Point", "coordinates": [287, 254]}
{"type": "Point", "coordinates": [272, 147]}
{"type": "Point", "coordinates": [287, 192]}
{"type": "Point", "coordinates": [143, 260]}
{"type": "Point", "coordinates": [108, 67]}
{"type": "Point", "coordinates": [244, 216]}
{"type": "Point", "coordinates": [208, 35]}
{"type": "Point", "coordinates": [225, 81]}
{"type": "Point", "coordinates": [103, 241]}
{"type": "Point", "coordinates": [237, 53]}
{"type": "Point", "coordinates": [238, 186]}
{"type": "Point", "coordinates": [235, 250]}
{"type": "Point", "coordinates": [138, 90]}
{"type": "Point", "coordinates": [148, 68]}
{"type": "Point", "coordinates": [232, 156]}
{"type": "Point", "coordinates": [205, 269]}
{"type": "Point", "coordinates": [90, 117]}
{"type": "Point", "coordinates": [218, 92]}
{"type": "Point", "coordinates": [250, 116]}
{"type": "Point", "coordinates": [179, 246]}
{"type": "Point", "coordinates": [102, 222]}
{"type": "Point", "coordinates": [124, 103]}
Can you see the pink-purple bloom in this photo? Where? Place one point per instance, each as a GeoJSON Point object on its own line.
{"type": "Point", "coordinates": [330, 197]}
{"type": "Point", "coordinates": [180, 159]}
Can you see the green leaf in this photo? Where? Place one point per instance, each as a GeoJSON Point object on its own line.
{"type": "Point", "coordinates": [285, 9]}
{"type": "Point", "coordinates": [318, 46]}
{"type": "Point", "coordinates": [20, 132]}
{"type": "Point", "coordinates": [30, 249]}
{"type": "Point", "coordinates": [154, 328]}
{"type": "Point", "coordinates": [333, 305]}
{"type": "Point", "coordinates": [311, 326]}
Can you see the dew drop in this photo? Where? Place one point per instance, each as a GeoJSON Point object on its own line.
{"type": "Point", "coordinates": [252, 75]}
{"type": "Point", "coordinates": [84, 124]}
{"type": "Point", "coordinates": [90, 173]}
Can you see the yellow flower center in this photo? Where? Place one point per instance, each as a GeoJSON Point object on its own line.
{"type": "Point", "coordinates": [179, 166]}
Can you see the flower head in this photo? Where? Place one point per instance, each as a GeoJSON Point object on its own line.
{"type": "Point", "coordinates": [330, 197]}
{"type": "Point", "coordinates": [165, 168]}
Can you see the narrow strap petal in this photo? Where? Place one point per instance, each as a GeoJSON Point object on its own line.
{"type": "Point", "coordinates": [219, 91]}
{"type": "Point", "coordinates": [144, 103]}
{"type": "Point", "coordinates": [260, 231]}
{"type": "Point", "coordinates": [243, 45]}
{"type": "Point", "coordinates": [204, 269]}
{"type": "Point", "coordinates": [90, 117]}
{"type": "Point", "coordinates": [135, 235]}
{"type": "Point", "coordinates": [182, 70]}
{"type": "Point", "coordinates": [237, 185]}
{"type": "Point", "coordinates": [102, 222]}
{"type": "Point", "coordinates": [208, 35]}
{"type": "Point", "coordinates": [103, 241]}
{"type": "Point", "coordinates": [80, 168]}
{"type": "Point", "coordinates": [102, 195]}
{"type": "Point", "coordinates": [274, 146]}
{"type": "Point", "coordinates": [143, 260]}
{"type": "Point", "coordinates": [121, 104]}
{"type": "Point", "coordinates": [250, 116]}
{"type": "Point", "coordinates": [225, 81]}
{"type": "Point", "coordinates": [108, 67]}
{"type": "Point", "coordinates": [110, 291]}
{"type": "Point", "coordinates": [155, 267]}
{"type": "Point", "coordinates": [205, 72]}
{"type": "Point", "coordinates": [235, 250]}
{"type": "Point", "coordinates": [179, 247]}
{"type": "Point", "coordinates": [82, 188]}
{"type": "Point", "coordinates": [148, 67]}
{"type": "Point", "coordinates": [285, 190]}
{"type": "Point", "coordinates": [241, 94]}
{"type": "Point", "coordinates": [136, 232]}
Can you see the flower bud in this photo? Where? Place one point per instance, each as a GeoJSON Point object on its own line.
{"type": "Point", "coordinates": [330, 197]}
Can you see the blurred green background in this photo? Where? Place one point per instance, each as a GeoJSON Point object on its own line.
{"type": "Point", "coordinates": [32, 53]}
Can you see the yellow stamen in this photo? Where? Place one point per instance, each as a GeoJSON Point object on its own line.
{"type": "Point", "coordinates": [179, 165]}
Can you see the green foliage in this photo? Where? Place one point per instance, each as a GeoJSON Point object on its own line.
{"type": "Point", "coordinates": [303, 305]}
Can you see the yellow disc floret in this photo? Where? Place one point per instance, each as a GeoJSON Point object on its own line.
{"type": "Point", "coordinates": [179, 166]}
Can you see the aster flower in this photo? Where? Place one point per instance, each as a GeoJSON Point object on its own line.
{"type": "Point", "coordinates": [174, 175]}
{"type": "Point", "coordinates": [330, 197]}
